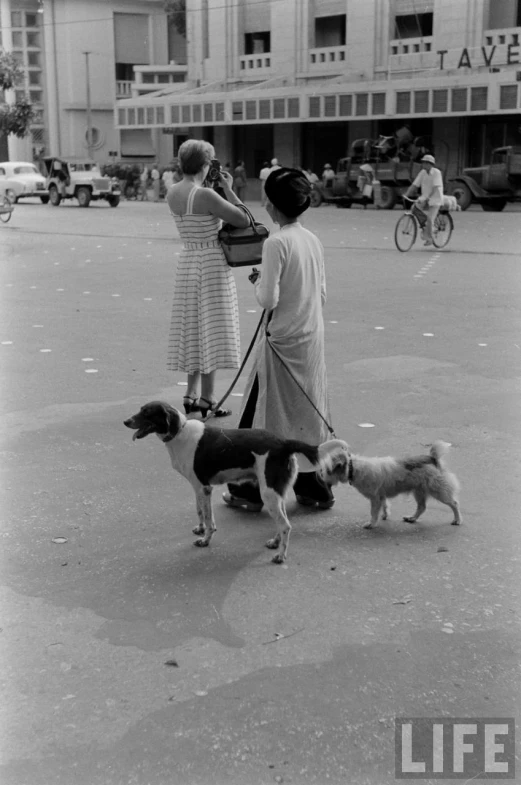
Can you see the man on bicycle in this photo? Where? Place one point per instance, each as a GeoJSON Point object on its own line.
{"type": "Point", "coordinates": [430, 183]}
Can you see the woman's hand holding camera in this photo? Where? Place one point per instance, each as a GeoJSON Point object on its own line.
{"type": "Point", "coordinates": [226, 180]}
{"type": "Point", "coordinates": [254, 275]}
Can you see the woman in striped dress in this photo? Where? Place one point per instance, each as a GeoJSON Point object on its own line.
{"type": "Point", "coordinates": [204, 329]}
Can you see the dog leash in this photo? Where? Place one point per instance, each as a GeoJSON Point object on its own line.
{"type": "Point", "coordinates": [275, 352]}
{"type": "Point", "coordinates": [234, 382]}
{"type": "Point", "coordinates": [232, 385]}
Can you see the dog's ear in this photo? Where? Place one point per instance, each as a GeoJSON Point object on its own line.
{"type": "Point", "coordinates": [173, 420]}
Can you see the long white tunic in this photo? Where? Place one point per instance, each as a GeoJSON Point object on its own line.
{"type": "Point", "coordinates": [292, 289]}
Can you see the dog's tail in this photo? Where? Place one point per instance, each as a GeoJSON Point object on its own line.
{"type": "Point", "coordinates": [330, 458]}
{"type": "Point", "coordinates": [438, 451]}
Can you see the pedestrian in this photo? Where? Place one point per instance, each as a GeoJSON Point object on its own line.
{"type": "Point", "coordinates": [263, 176]}
{"type": "Point", "coordinates": [156, 182]}
{"type": "Point", "coordinates": [328, 176]}
{"type": "Point", "coordinates": [292, 290]}
{"type": "Point", "coordinates": [204, 329]}
{"type": "Point", "coordinates": [430, 183]}
{"type": "Point", "coordinates": [144, 182]}
{"type": "Point", "coordinates": [274, 165]}
{"type": "Point", "coordinates": [168, 178]}
{"type": "Point", "coordinates": [240, 180]}
{"type": "Point", "coordinates": [312, 177]}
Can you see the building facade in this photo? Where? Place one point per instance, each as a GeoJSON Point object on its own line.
{"type": "Point", "coordinates": [80, 56]}
{"type": "Point", "coordinates": [296, 79]}
{"type": "Point", "coordinates": [302, 79]}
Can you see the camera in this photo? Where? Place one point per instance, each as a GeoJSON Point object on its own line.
{"type": "Point", "coordinates": [214, 172]}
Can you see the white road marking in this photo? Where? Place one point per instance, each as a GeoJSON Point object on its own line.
{"type": "Point", "coordinates": [87, 359]}
{"type": "Point", "coordinates": [366, 425]}
{"type": "Point", "coordinates": [6, 343]}
{"type": "Point", "coordinates": [91, 370]}
{"type": "Point", "coordinates": [428, 335]}
{"type": "Point", "coordinates": [45, 350]}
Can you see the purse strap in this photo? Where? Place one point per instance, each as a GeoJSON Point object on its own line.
{"type": "Point", "coordinates": [250, 216]}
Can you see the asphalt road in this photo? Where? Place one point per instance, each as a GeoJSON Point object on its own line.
{"type": "Point", "coordinates": [290, 673]}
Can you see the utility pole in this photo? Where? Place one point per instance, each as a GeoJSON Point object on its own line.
{"type": "Point", "coordinates": [89, 113]}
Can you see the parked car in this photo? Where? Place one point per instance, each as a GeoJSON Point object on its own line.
{"type": "Point", "coordinates": [492, 185]}
{"type": "Point", "coordinates": [20, 180]}
{"type": "Point", "coordinates": [79, 179]}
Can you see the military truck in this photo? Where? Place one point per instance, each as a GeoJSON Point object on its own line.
{"type": "Point", "coordinates": [393, 170]}
{"type": "Point", "coordinates": [79, 179]}
{"type": "Point", "coordinates": [493, 185]}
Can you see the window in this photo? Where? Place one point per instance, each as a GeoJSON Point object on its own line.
{"type": "Point", "coordinates": [33, 58]}
{"type": "Point", "coordinates": [314, 106]}
{"type": "Point", "coordinates": [264, 110]}
{"type": "Point", "coordinates": [504, 13]}
{"type": "Point", "coordinates": [362, 104]}
{"type": "Point", "coordinates": [403, 103]}
{"type": "Point", "coordinates": [459, 99]}
{"type": "Point", "coordinates": [330, 31]}
{"type": "Point", "coordinates": [346, 105]}
{"type": "Point", "coordinates": [251, 110]}
{"type": "Point", "coordinates": [257, 43]}
{"type": "Point", "coordinates": [478, 99]}
{"type": "Point", "coordinates": [17, 40]}
{"type": "Point", "coordinates": [413, 25]}
{"type": "Point", "coordinates": [330, 106]}
{"type": "Point", "coordinates": [16, 19]}
{"type": "Point", "coordinates": [378, 103]}
{"type": "Point", "coordinates": [293, 107]}
{"type": "Point", "coordinates": [33, 39]}
{"type": "Point", "coordinates": [125, 73]}
{"type": "Point", "coordinates": [35, 96]}
{"type": "Point", "coordinates": [440, 100]}
{"type": "Point", "coordinates": [35, 78]}
{"type": "Point", "coordinates": [508, 96]}
{"type": "Point", "coordinates": [31, 20]}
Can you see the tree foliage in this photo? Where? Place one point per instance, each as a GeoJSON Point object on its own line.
{"type": "Point", "coordinates": [14, 118]}
{"type": "Point", "coordinates": [176, 13]}
{"type": "Point", "coordinates": [11, 72]}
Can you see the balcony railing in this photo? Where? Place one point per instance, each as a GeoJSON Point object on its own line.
{"type": "Point", "coordinates": [327, 57]}
{"type": "Point", "coordinates": [410, 46]}
{"type": "Point", "coordinates": [255, 63]}
{"type": "Point", "coordinates": [149, 78]}
{"type": "Point", "coordinates": [508, 35]}
{"type": "Point", "coordinates": [124, 89]}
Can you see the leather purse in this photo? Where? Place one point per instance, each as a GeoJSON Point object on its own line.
{"type": "Point", "coordinates": [243, 247]}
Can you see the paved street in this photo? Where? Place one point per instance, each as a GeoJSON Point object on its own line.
{"type": "Point", "coordinates": [290, 673]}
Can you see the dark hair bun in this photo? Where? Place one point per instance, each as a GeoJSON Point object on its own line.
{"type": "Point", "coordinates": [289, 191]}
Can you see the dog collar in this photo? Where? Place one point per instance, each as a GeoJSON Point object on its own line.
{"type": "Point", "coordinates": [351, 472]}
{"type": "Point", "coordinates": [169, 436]}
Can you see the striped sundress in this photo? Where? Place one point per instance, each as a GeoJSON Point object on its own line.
{"type": "Point", "coordinates": [204, 328]}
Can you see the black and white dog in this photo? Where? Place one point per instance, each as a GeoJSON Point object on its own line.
{"type": "Point", "coordinates": [209, 456]}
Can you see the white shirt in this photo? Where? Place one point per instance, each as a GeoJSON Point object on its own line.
{"type": "Point", "coordinates": [429, 183]}
{"type": "Point", "coordinates": [292, 281]}
{"type": "Point", "coordinates": [264, 173]}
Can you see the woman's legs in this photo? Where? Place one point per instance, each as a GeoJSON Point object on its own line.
{"type": "Point", "coordinates": [192, 391]}
{"type": "Point", "coordinates": [208, 398]}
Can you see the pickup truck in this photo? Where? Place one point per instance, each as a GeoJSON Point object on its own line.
{"type": "Point", "coordinates": [492, 185]}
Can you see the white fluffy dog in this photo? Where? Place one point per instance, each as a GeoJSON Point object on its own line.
{"type": "Point", "coordinates": [380, 479]}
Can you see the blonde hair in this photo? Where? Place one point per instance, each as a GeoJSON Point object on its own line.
{"type": "Point", "coordinates": [194, 154]}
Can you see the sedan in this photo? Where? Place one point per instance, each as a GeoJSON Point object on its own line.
{"type": "Point", "coordinates": [20, 180]}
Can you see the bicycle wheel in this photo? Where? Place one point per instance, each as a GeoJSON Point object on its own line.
{"type": "Point", "coordinates": [443, 226]}
{"type": "Point", "coordinates": [405, 232]}
{"type": "Point", "coordinates": [6, 209]}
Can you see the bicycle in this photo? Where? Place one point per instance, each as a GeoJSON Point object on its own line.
{"type": "Point", "coordinates": [6, 209]}
{"type": "Point", "coordinates": [406, 230]}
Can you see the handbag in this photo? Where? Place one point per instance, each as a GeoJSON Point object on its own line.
{"type": "Point", "coordinates": [243, 247]}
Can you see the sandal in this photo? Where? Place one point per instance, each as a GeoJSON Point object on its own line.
{"type": "Point", "coordinates": [190, 404]}
{"type": "Point", "coordinates": [215, 412]}
{"type": "Point", "coordinates": [244, 504]}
